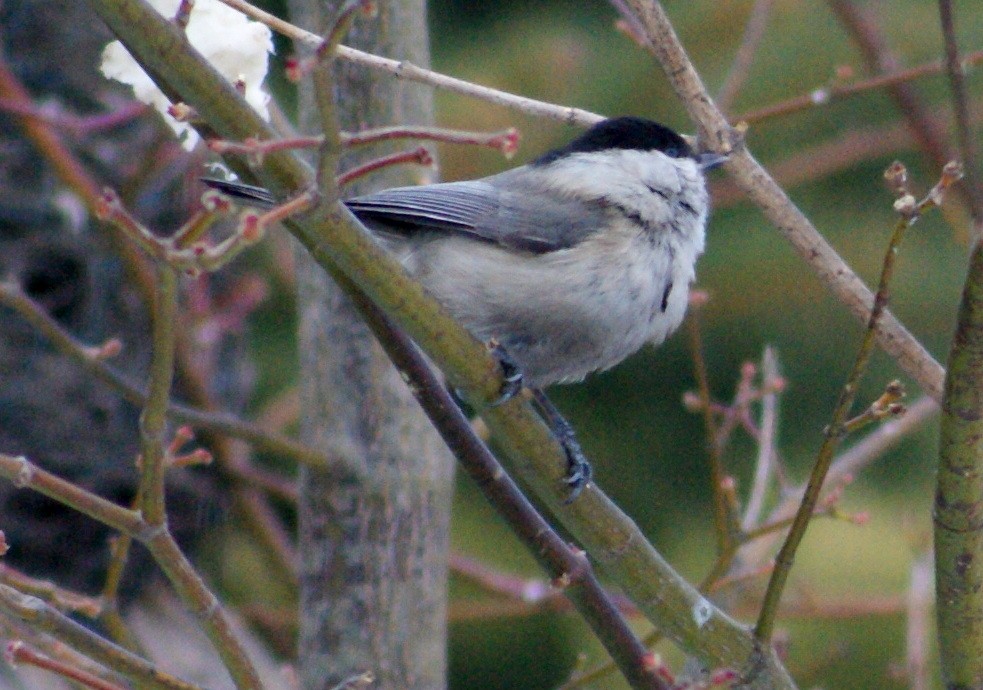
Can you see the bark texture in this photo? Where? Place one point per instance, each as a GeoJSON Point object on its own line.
{"type": "Point", "coordinates": [374, 551]}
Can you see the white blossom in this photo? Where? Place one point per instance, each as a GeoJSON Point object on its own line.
{"type": "Point", "coordinates": [237, 46]}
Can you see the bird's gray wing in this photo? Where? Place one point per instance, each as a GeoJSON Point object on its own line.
{"type": "Point", "coordinates": [505, 209]}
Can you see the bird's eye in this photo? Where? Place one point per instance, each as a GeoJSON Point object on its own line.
{"type": "Point", "coordinates": [672, 152]}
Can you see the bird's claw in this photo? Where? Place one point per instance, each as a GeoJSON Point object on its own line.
{"type": "Point", "coordinates": [511, 373]}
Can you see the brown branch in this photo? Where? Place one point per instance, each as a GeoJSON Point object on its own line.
{"type": "Point", "coordinates": [570, 568]}
{"type": "Point", "coordinates": [717, 134]}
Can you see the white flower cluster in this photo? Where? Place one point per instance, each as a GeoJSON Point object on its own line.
{"type": "Point", "coordinates": [237, 46]}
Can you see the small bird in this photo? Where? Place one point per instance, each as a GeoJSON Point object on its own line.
{"type": "Point", "coordinates": [571, 262]}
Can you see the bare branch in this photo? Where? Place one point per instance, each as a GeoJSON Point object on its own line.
{"type": "Point", "coordinates": [909, 211]}
{"type": "Point", "coordinates": [717, 134]}
{"type": "Point", "coordinates": [406, 70]}
{"type": "Point", "coordinates": [11, 296]}
{"type": "Point", "coordinates": [956, 70]}
{"type": "Point", "coordinates": [754, 31]}
{"type": "Point", "coordinates": [42, 617]}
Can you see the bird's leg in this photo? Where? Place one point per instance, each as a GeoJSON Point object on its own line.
{"type": "Point", "coordinates": [579, 471]}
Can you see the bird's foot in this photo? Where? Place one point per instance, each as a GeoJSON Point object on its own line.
{"type": "Point", "coordinates": [579, 470]}
{"type": "Point", "coordinates": [511, 372]}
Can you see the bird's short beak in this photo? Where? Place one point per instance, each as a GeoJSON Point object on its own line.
{"type": "Point", "coordinates": [709, 160]}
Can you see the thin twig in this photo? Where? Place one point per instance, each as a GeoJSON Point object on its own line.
{"type": "Point", "coordinates": [506, 141]}
{"type": "Point", "coordinates": [909, 212]}
{"type": "Point", "coordinates": [406, 70]}
{"type": "Point", "coordinates": [153, 419]}
{"type": "Point", "coordinates": [866, 32]}
{"type": "Point", "coordinates": [20, 653]}
{"type": "Point", "coordinates": [109, 615]}
{"type": "Point", "coordinates": [62, 599]}
{"type": "Point", "coordinates": [417, 156]}
{"type": "Point", "coordinates": [827, 94]}
{"type": "Point", "coordinates": [765, 463]}
{"type": "Point", "coordinates": [42, 617]}
{"type": "Point", "coordinates": [740, 68]}
{"type": "Point", "coordinates": [11, 296]}
{"type": "Point", "coordinates": [848, 463]}
{"type": "Point", "coordinates": [76, 177]}
{"type": "Point", "coordinates": [722, 524]}
{"type": "Point", "coordinates": [77, 126]}
{"type": "Point", "coordinates": [955, 68]}
{"type": "Point", "coordinates": [817, 161]}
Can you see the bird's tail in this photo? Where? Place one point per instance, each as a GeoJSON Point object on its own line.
{"type": "Point", "coordinates": [247, 193]}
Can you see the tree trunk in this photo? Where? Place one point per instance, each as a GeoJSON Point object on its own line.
{"type": "Point", "coordinates": [374, 552]}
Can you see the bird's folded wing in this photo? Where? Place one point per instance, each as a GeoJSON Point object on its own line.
{"type": "Point", "coordinates": [525, 219]}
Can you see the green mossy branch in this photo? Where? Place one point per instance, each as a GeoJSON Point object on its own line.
{"type": "Point", "coordinates": [958, 518]}
{"type": "Point", "coordinates": [342, 247]}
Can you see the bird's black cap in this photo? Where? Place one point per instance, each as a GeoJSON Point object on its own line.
{"type": "Point", "coordinates": [632, 133]}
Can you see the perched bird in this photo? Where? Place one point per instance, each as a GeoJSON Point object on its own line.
{"type": "Point", "coordinates": [571, 262]}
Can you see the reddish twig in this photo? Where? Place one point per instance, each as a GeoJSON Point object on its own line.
{"type": "Point", "coordinates": [823, 95]}
{"type": "Point", "coordinates": [418, 156]}
{"type": "Point", "coordinates": [722, 522]}
{"type": "Point", "coordinates": [73, 175]}
{"type": "Point", "coordinates": [63, 599]}
{"type": "Point", "coordinates": [73, 124]}
{"type": "Point", "coordinates": [20, 653]}
{"type": "Point", "coordinates": [866, 32]}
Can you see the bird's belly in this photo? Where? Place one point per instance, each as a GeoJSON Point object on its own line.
{"type": "Point", "coordinates": [562, 314]}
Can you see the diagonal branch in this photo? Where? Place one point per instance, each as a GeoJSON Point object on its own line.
{"type": "Point", "coordinates": [762, 189]}
{"type": "Point", "coordinates": [342, 246]}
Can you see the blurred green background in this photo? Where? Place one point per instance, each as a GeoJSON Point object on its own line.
{"type": "Point", "coordinates": [649, 452]}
